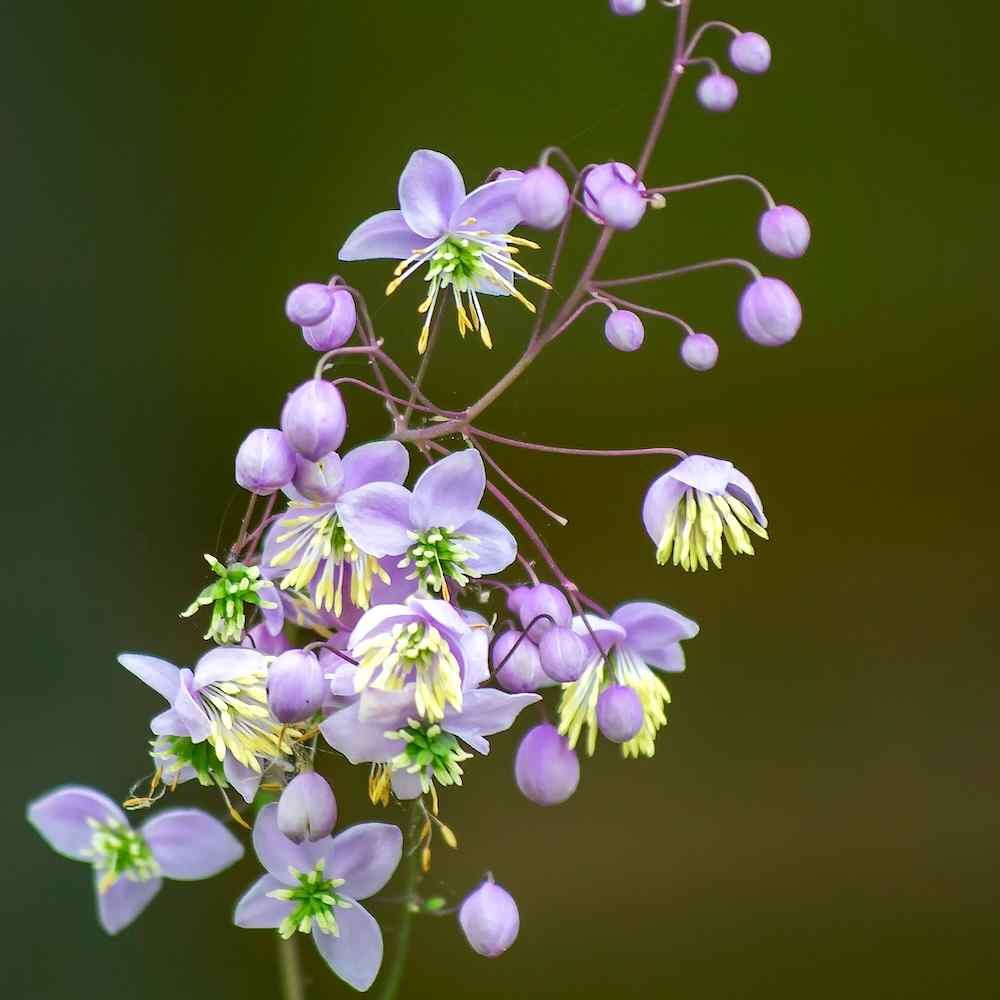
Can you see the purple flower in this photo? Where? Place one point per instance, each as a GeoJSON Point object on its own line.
{"type": "Point", "coordinates": [522, 667]}
{"type": "Point", "coordinates": [326, 315]}
{"type": "Point", "coordinates": [130, 865]}
{"type": "Point", "coordinates": [750, 52]}
{"type": "Point", "coordinates": [265, 461]}
{"type": "Point", "coordinates": [770, 312]}
{"type": "Point", "coordinates": [784, 231]}
{"type": "Point", "coordinates": [218, 727]}
{"type": "Point", "coordinates": [717, 92]}
{"type": "Point", "coordinates": [689, 510]}
{"type": "Point", "coordinates": [296, 686]}
{"type": "Point", "coordinates": [543, 198]}
{"type": "Point", "coordinates": [464, 240]}
{"type": "Point", "coordinates": [699, 352]}
{"type": "Point", "coordinates": [313, 545]}
{"type": "Point", "coordinates": [612, 195]}
{"type": "Point", "coordinates": [547, 771]}
{"type": "Point", "coordinates": [439, 526]}
{"type": "Point", "coordinates": [624, 331]}
{"type": "Point", "coordinates": [489, 919]}
{"type": "Point", "coordinates": [315, 888]}
{"type": "Point", "coordinates": [639, 638]}
{"type": "Point", "coordinates": [307, 809]}
{"type": "Point", "coordinates": [313, 419]}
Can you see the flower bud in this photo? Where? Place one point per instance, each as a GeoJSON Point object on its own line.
{"type": "Point", "coordinates": [309, 304]}
{"type": "Point", "coordinates": [314, 419]}
{"type": "Point", "coordinates": [319, 481]}
{"type": "Point", "coordinates": [784, 231]}
{"type": "Point", "coordinates": [612, 195]}
{"type": "Point", "coordinates": [264, 462]}
{"type": "Point", "coordinates": [623, 330]}
{"type": "Point", "coordinates": [770, 314]}
{"type": "Point", "coordinates": [544, 599]}
{"type": "Point", "coordinates": [543, 198]}
{"type": "Point", "coordinates": [546, 770]}
{"type": "Point", "coordinates": [336, 329]}
{"type": "Point", "coordinates": [622, 206]}
{"type": "Point", "coordinates": [563, 654]}
{"type": "Point", "coordinates": [717, 92]}
{"type": "Point", "coordinates": [296, 686]}
{"type": "Point", "coordinates": [489, 919]}
{"type": "Point", "coordinates": [699, 352]}
{"type": "Point", "coordinates": [307, 809]}
{"type": "Point", "coordinates": [750, 52]}
{"type": "Point", "coordinates": [516, 597]}
{"type": "Point", "coordinates": [619, 713]}
{"type": "Point", "coordinates": [260, 639]}
{"type": "Point", "coordinates": [626, 8]}
{"type": "Point", "coordinates": [523, 671]}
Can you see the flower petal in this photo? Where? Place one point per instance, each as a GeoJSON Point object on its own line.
{"type": "Point", "coordinates": [653, 630]}
{"type": "Point", "coordinates": [358, 742]}
{"type": "Point", "coordinates": [448, 493]}
{"type": "Point", "coordinates": [244, 779]}
{"type": "Point", "coordinates": [441, 615]}
{"type": "Point", "coordinates": [379, 619]}
{"type": "Point", "coordinates": [256, 910]}
{"type": "Point", "coordinates": [365, 857]}
{"type": "Point", "coordinates": [661, 499]}
{"type": "Point", "coordinates": [493, 206]}
{"type": "Point", "coordinates": [160, 675]}
{"type": "Point", "coordinates": [741, 488]}
{"type": "Point", "coordinates": [377, 517]}
{"type": "Point", "coordinates": [484, 713]}
{"type": "Point", "coordinates": [189, 844]}
{"type": "Point", "coordinates": [430, 189]}
{"type": "Point", "coordinates": [703, 473]}
{"type": "Point", "coordinates": [375, 462]}
{"type": "Point", "coordinates": [383, 236]}
{"type": "Point", "coordinates": [608, 633]}
{"type": "Point", "coordinates": [355, 955]}
{"type": "Point", "coordinates": [124, 901]}
{"type": "Point", "coordinates": [275, 851]}
{"type": "Point", "coordinates": [227, 663]}
{"type": "Point", "coordinates": [274, 618]}
{"type": "Point", "coordinates": [494, 546]}
{"type": "Point", "coordinates": [189, 709]}
{"type": "Point", "coordinates": [61, 818]}
{"type": "Point", "coordinates": [388, 709]}
{"type": "Point", "coordinates": [406, 786]}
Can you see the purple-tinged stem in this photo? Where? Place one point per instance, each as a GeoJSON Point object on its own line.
{"type": "Point", "coordinates": [647, 310]}
{"type": "Point", "coordinates": [561, 153]}
{"type": "Point", "coordinates": [677, 271]}
{"type": "Point", "coordinates": [390, 398]}
{"type": "Point", "coordinates": [265, 520]}
{"type": "Point", "coordinates": [518, 488]}
{"type": "Point", "coordinates": [582, 452]}
{"type": "Point", "coordinates": [244, 524]}
{"type": "Point", "coordinates": [709, 181]}
{"type": "Point", "coordinates": [322, 365]}
{"type": "Point", "coordinates": [703, 61]}
{"type": "Point", "coordinates": [580, 310]}
{"type": "Point", "coordinates": [697, 36]}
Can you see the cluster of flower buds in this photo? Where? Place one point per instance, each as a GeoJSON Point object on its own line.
{"type": "Point", "coordinates": [362, 618]}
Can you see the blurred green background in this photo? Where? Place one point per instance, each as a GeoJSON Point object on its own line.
{"type": "Point", "coordinates": [821, 816]}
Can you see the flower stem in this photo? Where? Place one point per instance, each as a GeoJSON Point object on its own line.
{"type": "Point", "coordinates": [411, 859]}
{"type": "Point", "coordinates": [293, 986]}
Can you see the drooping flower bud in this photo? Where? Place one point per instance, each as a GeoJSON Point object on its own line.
{"type": "Point", "coordinates": [489, 919]}
{"type": "Point", "coordinates": [699, 352]}
{"type": "Point", "coordinates": [784, 231]}
{"type": "Point", "coordinates": [717, 92]}
{"type": "Point", "coordinates": [543, 198]}
{"type": "Point", "coordinates": [336, 329]}
{"type": "Point", "coordinates": [770, 314]}
{"type": "Point", "coordinates": [309, 304]}
{"type": "Point", "coordinates": [546, 770]}
{"type": "Point", "coordinates": [516, 597]}
{"type": "Point", "coordinates": [265, 461]}
{"type": "Point", "coordinates": [296, 686]}
{"type": "Point", "coordinates": [260, 638]}
{"type": "Point", "coordinates": [319, 481]}
{"type": "Point", "coordinates": [562, 654]}
{"type": "Point", "coordinates": [750, 52]}
{"type": "Point", "coordinates": [627, 8]}
{"type": "Point", "coordinates": [314, 419]}
{"type": "Point", "coordinates": [619, 713]}
{"type": "Point", "coordinates": [624, 331]}
{"type": "Point", "coordinates": [613, 195]}
{"type": "Point", "coordinates": [544, 599]}
{"type": "Point", "coordinates": [523, 670]}
{"type": "Point", "coordinates": [307, 809]}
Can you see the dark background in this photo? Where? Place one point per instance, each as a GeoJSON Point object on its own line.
{"type": "Point", "coordinates": [821, 816]}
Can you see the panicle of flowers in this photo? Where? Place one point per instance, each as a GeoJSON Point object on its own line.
{"type": "Point", "coordinates": [361, 621]}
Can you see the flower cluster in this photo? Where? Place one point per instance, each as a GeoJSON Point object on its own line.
{"type": "Point", "coordinates": [369, 614]}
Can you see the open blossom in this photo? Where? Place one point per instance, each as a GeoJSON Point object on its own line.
{"type": "Point", "coordinates": [130, 865]}
{"type": "Point", "coordinates": [438, 526]}
{"type": "Point", "coordinates": [314, 887]}
{"type": "Point", "coordinates": [464, 241]}
{"type": "Point", "coordinates": [689, 510]}
{"type": "Point", "coordinates": [311, 544]}
{"type": "Point", "coordinates": [218, 727]}
{"type": "Point", "coordinates": [640, 638]}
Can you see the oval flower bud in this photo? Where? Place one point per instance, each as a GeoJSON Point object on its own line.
{"type": "Point", "coordinates": [562, 654]}
{"type": "Point", "coordinates": [624, 331]}
{"type": "Point", "coordinates": [627, 8]}
{"type": "Point", "coordinates": [544, 599]}
{"type": "Point", "coordinates": [619, 713]}
{"type": "Point", "coordinates": [335, 329]}
{"type": "Point", "coordinates": [516, 597]}
{"type": "Point", "coordinates": [770, 314]}
{"type": "Point", "coordinates": [717, 92]}
{"type": "Point", "coordinates": [613, 195]}
{"type": "Point", "coordinates": [750, 52]}
{"type": "Point", "coordinates": [699, 352]}
{"type": "Point", "coordinates": [784, 231]}
{"type": "Point", "coordinates": [265, 462]}
{"type": "Point", "coordinates": [543, 198]}
{"type": "Point", "coordinates": [309, 304]}
{"type": "Point", "coordinates": [307, 809]}
{"type": "Point", "coordinates": [546, 769]}
{"type": "Point", "coordinates": [523, 671]}
{"type": "Point", "coordinates": [314, 419]}
{"type": "Point", "coordinates": [489, 919]}
{"type": "Point", "coordinates": [296, 686]}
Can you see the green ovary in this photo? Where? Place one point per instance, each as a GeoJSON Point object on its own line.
{"type": "Point", "coordinates": [314, 900]}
